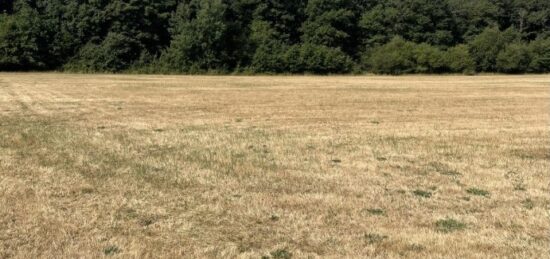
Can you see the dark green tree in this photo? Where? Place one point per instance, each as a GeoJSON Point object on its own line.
{"type": "Point", "coordinates": [329, 23]}
{"type": "Point", "coordinates": [420, 21]}
{"type": "Point", "coordinates": [273, 30]}
{"type": "Point", "coordinates": [473, 16]}
{"type": "Point", "coordinates": [284, 16]}
{"type": "Point", "coordinates": [459, 60]}
{"type": "Point", "coordinates": [317, 59]}
{"type": "Point", "coordinates": [429, 59]}
{"type": "Point", "coordinates": [530, 17]}
{"type": "Point", "coordinates": [115, 53]}
{"type": "Point", "coordinates": [275, 36]}
{"type": "Point", "coordinates": [22, 40]}
{"type": "Point", "coordinates": [514, 58]}
{"type": "Point", "coordinates": [486, 46]}
{"type": "Point", "coordinates": [269, 49]}
{"type": "Point", "coordinates": [199, 40]}
{"type": "Point", "coordinates": [395, 57]}
{"type": "Point", "coordinates": [539, 51]}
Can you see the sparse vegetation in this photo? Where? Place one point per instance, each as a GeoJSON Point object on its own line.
{"type": "Point", "coordinates": [444, 169]}
{"type": "Point", "coordinates": [423, 194]}
{"type": "Point", "coordinates": [376, 212]}
{"type": "Point", "coordinates": [245, 167]}
{"type": "Point", "coordinates": [373, 238]}
{"type": "Point", "coordinates": [111, 250]}
{"type": "Point", "coordinates": [281, 254]}
{"type": "Point", "coordinates": [449, 225]}
{"type": "Point", "coordinates": [528, 204]}
{"type": "Point", "coordinates": [477, 192]}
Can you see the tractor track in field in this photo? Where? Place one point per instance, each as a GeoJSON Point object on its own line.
{"type": "Point", "coordinates": [33, 99]}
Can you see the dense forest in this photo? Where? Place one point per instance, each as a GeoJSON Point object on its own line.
{"type": "Point", "coordinates": [276, 36]}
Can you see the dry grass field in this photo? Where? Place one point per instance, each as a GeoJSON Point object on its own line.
{"type": "Point", "coordinates": [274, 167]}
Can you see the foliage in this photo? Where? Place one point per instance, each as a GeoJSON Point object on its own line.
{"type": "Point", "coordinates": [318, 59]}
{"type": "Point", "coordinates": [329, 23]}
{"type": "Point", "coordinates": [395, 57]}
{"type": "Point", "coordinates": [514, 58]}
{"type": "Point", "coordinates": [276, 36]}
{"type": "Point", "coordinates": [486, 47]}
{"type": "Point", "coordinates": [428, 21]}
{"type": "Point", "coordinates": [540, 55]}
{"type": "Point", "coordinates": [198, 44]}
{"type": "Point", "coordinates": [269, 48]}
{"type": "Point", "coordinates": [21, 40]}
{"type": "Point", "coordinates": [429, 59]}
{"type": "Point", "coordinates": [113, 54]}
{"type": "Point", "coordinates": [449, 225]}
{"type": "Point", "coordinates": [459, 60]}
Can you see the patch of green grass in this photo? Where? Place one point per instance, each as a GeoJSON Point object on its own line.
{"type": "Point", "coordinates": [531, 154]}
{"type": "Point", "coordinates": [111, 250]}
{"type": "Point", "coordinates": [274, 217]}
{"type": "Point", "coordinates": [415, 247]}
{"type": "Point", "coordinates": [87, 190]}
{"type": "Point", "coordinates": [373, 238]}
{"type": "Point", "coordinates": [376, 212]}
{"type": "Point", "coordinates": [281, 254]}
{"type": "Point", "coordinates": [478, 192]}
{"type": "Point", "coordinates": [449, 225]}
{"type": "Point", "coordinates": [517, 180]}
{"type": "Point", "coordinates": [528, 204]}
{"type": "Point", "coordinates": [147, 221]}
{"type": "Point", "coordinates": [444, 169]}
{"type": "Point", "coordinates": [423, 194]}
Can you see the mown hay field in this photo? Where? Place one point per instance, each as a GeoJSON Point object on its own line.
{"type": "Point", "coordinates": [135, 166]}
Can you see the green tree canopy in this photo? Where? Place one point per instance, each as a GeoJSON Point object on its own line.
{"type": "Point", "coordinates": [276, 36]}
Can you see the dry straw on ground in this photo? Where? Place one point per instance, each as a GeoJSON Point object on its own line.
{"type": "Point", "coordinates": [172, 166]}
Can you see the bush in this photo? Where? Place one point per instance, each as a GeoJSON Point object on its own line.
{"type": "Point", "coordinates": [459, 60]}
{"type": "Point", "coordinates": [428, 59]}
{"type": "Point", "coordinates": [395, 57]}
{"type": "Point", "coordinates": [269, 58]}
{"type": "Point", "coordinates": [486, 47]}
{"type": "Point", "coordinates": [116, 53]}
{"type": "Point", "coordinates": [514, 59]}
{"type": "Point", "coordinates": [200, 44]}
{"type": "Point", "coordinates": [539, 50]}
{"type": "Point", "coordinates": [317, 59]}
{"type": "Point", "coordinates": [22, 41]}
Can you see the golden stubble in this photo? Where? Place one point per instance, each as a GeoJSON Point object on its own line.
{"type": "Point", "coordinates": [210, 166]}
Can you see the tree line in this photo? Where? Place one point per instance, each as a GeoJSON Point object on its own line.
{"type": "Point", "coordinates": [276, 36]}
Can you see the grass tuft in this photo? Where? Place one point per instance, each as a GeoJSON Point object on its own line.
{"type": "Point", "coordinates": [376, 212]}
{"type": "Point", "coordinates": [528, 204]}
{"type": "Point", "coordinates": [281, 254]}
{"type": "Point", "coordinates": [449, 225]}
{"type": "Point", "coordinates": [444, 169]}
{"type": "Point", "coordinates": [111, 250]}
{"type": "Point", "coordinates": [423, 194]}
{"type": "Point", "coordinates": [478, 192]}
{"type": "Point", "coordinates": [373, 238]}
